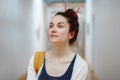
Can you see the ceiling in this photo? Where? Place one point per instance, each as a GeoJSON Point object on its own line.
{"type": "Point", "coordinates": [64, 1]}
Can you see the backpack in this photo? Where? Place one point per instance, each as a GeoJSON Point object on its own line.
{"type": "Point", "coordinates": [38, 60]}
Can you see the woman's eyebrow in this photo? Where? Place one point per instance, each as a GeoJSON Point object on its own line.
{"type": "Point", "coordinates": [61, 23]}
{"type": "Point", "coordinates": [58, 23]}
{"type": "Point", "coordinates": [51, 23]}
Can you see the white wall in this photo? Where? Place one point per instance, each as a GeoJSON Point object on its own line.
{"type": "Point", "coordinates": [16, 37]}
{"type": "Point", "coordinates": [107, 39]}
{"type": "Point", "coordinates": [39, 24]}
{"type": "Point", "coordinates": [89, 32]}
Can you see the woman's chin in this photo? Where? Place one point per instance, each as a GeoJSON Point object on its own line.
{"type": "Point", "coordinates": [55, 42]}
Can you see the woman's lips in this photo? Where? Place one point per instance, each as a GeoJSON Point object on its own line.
{"type": "Point", "coordinates": [53, 35]}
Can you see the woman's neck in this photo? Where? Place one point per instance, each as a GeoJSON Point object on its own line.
{"type": "Point", "coordinates": [61, 50]}
{"type": "Point", "coordinates": [60, 53]}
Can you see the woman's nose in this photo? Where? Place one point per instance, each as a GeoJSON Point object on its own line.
{"type": "Point", "coordinates": [54, 29]}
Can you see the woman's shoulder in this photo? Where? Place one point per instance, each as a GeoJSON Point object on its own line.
{"type": "Point", "coordinates": [80, 62]}
{"type": "Point", "coordinates": [80, 68]}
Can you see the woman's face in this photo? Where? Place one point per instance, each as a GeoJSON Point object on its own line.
{"type": "Point", "coordinates": [59, 30]}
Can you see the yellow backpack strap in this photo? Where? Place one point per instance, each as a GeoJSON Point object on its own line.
{"type": "Point", "coordinates": [38, 60]}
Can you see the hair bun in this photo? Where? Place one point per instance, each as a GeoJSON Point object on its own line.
{"type": "Point", "coordinates": [72, 14]}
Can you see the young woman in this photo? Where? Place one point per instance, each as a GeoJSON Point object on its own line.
{"type": "Point", "coordinates": [60, 62]}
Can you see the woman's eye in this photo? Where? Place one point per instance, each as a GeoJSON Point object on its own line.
{"type": "Point", "coordinates": [60, 26]}
{"type": "Point", "coordinates": [51, 26]}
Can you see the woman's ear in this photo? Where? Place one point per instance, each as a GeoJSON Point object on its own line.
{"type": "Point", "coordinates": [71, 35]}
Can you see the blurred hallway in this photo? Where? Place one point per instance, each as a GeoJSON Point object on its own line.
{"type": "Point", "coordinates": [98, 41]}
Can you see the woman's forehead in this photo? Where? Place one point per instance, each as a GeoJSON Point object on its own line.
{"type": "Point", "coordinates": [58, 18]}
